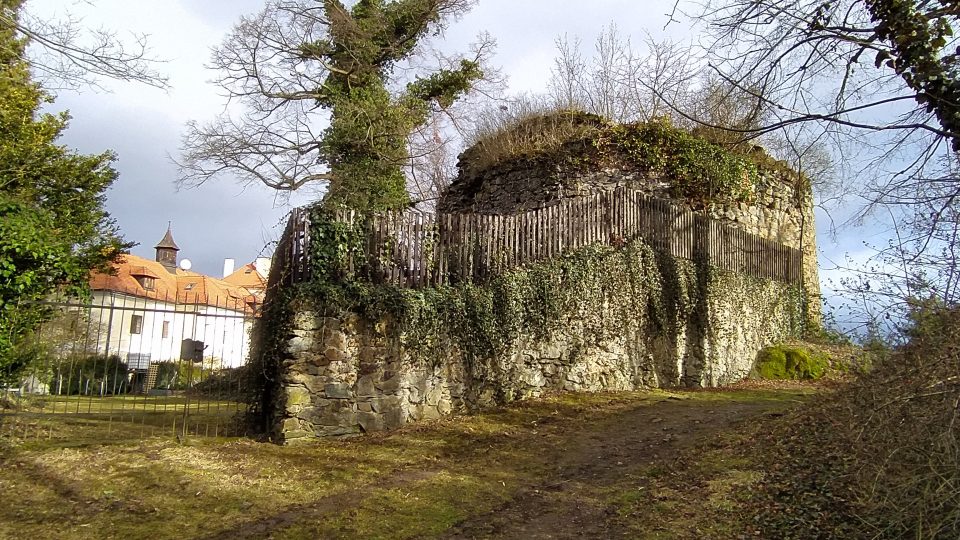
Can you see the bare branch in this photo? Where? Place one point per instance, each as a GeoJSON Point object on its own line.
{"type": "Point", "coordinates": [65, 55]}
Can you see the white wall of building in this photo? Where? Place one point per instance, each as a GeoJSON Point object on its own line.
{"type": "Point", "coordinates": [164, 325]}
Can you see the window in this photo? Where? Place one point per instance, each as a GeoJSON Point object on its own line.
{"type": "Point", "coordinates": [148, 283]}
{"type": "Point", "coordinates": [136, 324]}
{"type": "Point", "coordinates": [166, 329]}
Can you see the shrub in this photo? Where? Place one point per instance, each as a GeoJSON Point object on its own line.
{"type": "Point", "coordinates": [94, 374]}
{"type": "Point", "coordinates": [221, 384]}
{"type": "Point", "coordinates": [879, 458]}
{"type": "Point", "coordinates": [179, 375]}
{"type": "Point", "coordinates": [29, 356]}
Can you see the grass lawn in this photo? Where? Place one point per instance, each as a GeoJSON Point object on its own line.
{"type": "Point", "coordinates": [88, 419]}
{"type": "Point", "coordinates": [644, 464]}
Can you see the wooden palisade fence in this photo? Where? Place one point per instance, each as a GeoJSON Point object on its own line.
{"type": "Point", "coordinates": [416, 249]}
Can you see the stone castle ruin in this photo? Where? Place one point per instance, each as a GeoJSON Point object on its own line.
{"type": "Point", "coordinates": [595, 263]}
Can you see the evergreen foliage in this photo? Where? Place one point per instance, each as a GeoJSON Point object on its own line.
{"type": "Point", "coordinates": [95, 374]}
{"type": "Point", "coordinates": [367, 139]}
{"type": "Point", "coordinates": [53, 228]}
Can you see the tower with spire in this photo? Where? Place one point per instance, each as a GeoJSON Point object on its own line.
{"type": "Point", "coordinates": [167, 251]}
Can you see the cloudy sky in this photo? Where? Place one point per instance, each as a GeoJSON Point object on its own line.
{"type": "Point", "coordinates": [143, 125]}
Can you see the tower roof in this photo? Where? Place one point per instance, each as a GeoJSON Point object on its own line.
{"type": "Point", "coordinates": [167, 241]}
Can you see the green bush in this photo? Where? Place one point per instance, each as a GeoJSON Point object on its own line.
{"type": "Point", "coordinates": [782, 362]}
{"type": "Point", "coordinates": [221, 384]}
{"type": "Point", "coordinates": [179, 375]}
{"type": "Point", "coordinates": [93, 374]}
{"type": "Point", "coordinates": [27, 357]}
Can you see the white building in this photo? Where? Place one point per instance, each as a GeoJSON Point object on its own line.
{"type": "Point", "coordinates": [153, 311]}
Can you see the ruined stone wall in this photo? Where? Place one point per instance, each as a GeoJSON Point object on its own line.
{"type": "Point", "coordinates": [349, 374]}
{"type": "Point", "coordinates": [778, 213]}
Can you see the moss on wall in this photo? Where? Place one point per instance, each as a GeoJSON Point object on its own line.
{"type": "Point", "coordinates": [783, 362]}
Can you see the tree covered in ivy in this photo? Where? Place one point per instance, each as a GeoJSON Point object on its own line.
{"type": "Point", "coordinates": [331, 94]}
{"type": "Point", "coordinates": [53, 228]}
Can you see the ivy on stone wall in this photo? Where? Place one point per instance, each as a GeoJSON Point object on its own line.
{"type": "Point", "coordinates": [591, 298]}
{"type": "Point", "coordinates": [604, 291]}
{"type": "Point", "coordinates": [332, 241]}
{"type": "Point", "coordinates": [268, 339]}
{"type": "Point", "coordinates": [697, 170]}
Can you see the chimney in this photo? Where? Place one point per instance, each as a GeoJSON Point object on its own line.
{"type": "Point", "coordinates": [167, 251]}
{"type": "Point", "coordinates": [228, 266]}
{"type": "Point", "coordinates": [263, 266]}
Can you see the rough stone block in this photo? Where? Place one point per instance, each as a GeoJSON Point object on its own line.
{"type": "Point", "coordinates": [330, 324]}
{"type": "Point", "coordinates": [290, 425]}
{"type": "Point", "coordinates": [370, 421]}
{"type": "Point", "coordinates": [297, 398]}
{"type": "Point", "coordinates": [533, 377]}
{"type": "Point", "coordinates": [414, 394]}
{"type": "Point", "coordinates": [486, 397]}
{"type": "Point", "coordinates": [394, 418]}
{"type": "Point", "coordinates": [334, 355]}
{"type": "Point", "coordinates": [299, 344]}
{"type": "Point", "coordinates": [385, 404]}
{"type": "Point", "coordinates": [434, 395]}
{"type": "Point", "coordinates": [338, 391]}
{"type": "Point", "coordinates": [553, 351]}
{"type": "Point", "coordinates": [445, 407]}
{"type": "Point", "coordinates": [430, 412]}
{"type": "Point", "coordinates": [297, 437]}
{"type": "Point", "coordinates": [455, 389]}
{"type": "Point", "coordinates": [415, 412]}
{"type": "Point", "coordinates": [307, 320]}
{"type": "Point", "coordinates": [351, 430]}
{"type": "Point", "coordinates": [389, 386]}
{"type": "Point", "coordinates": [366, 387]}
{"type": "Point", "coordinates": [336, 340]}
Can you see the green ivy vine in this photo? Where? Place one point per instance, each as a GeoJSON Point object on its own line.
{"type": "Point", "coordinates": [606, 291]}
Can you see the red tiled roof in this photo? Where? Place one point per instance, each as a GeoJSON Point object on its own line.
{"type": "Point", "coordinates": [180, 287]}
{"type": "Point", "coordinates": [248, 277]}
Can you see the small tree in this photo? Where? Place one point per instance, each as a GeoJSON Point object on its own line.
{"type": "Point", "coordinates": [296, 57]}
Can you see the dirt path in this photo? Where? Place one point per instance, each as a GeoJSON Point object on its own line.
{"type": "Point", "coordinates": [602, 459]}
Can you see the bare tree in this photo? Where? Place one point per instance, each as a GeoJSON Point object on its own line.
{"type": "Point", "coordinates": [879, 77]}
{"type": "Point", "coordinates": [435, 146]}
{"type": "Point", "coordinates": [64, 54]}
{"type": "Point", "coordinates": [567, 86]}
{"type": "Point", "coordinates": [867, 68]}
{"type": "Point", "coordinates": [618, 82]}
{"type": "Point", "coordinates": [664, 79]}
